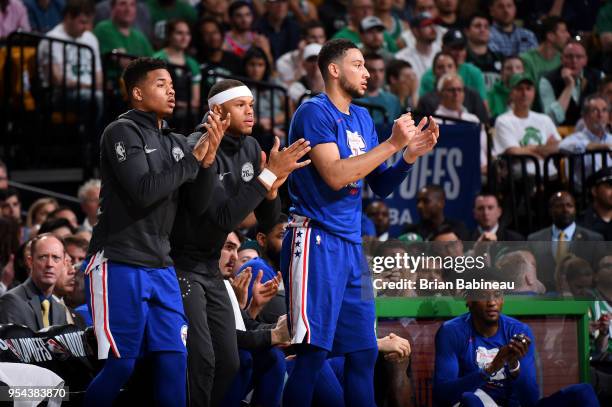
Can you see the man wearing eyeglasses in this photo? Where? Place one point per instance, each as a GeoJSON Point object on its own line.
{"type": "Point", "coordinates": [563, 90]}
{"type": "Point", "coordinates": [452, 94]}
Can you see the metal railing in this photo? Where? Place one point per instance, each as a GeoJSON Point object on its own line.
{"type": "Point", "coordinates": [48, 102]}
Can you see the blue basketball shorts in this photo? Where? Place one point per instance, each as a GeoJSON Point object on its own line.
{"type": "Point", "coordinates": [328, 290]}
{"type": "Point", "coordinates": [135, 310]}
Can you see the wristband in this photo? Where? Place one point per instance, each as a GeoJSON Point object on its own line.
{"type": "Point", "coordinates": [267, 177]}
{"type": "Point", "coordinates": [516, 369]}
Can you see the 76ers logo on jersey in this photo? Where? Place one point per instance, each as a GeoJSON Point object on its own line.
{"type": "Point", "coordinates": [355, 142]}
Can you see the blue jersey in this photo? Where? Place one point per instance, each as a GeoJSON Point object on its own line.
{"type": "Point", "coordinates": [461, 354]}
{"type": "Point", "coordinates": [319, 121]}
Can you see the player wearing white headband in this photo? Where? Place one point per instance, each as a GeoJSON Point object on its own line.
{"type": "Point", "coordinates": [245, 183]}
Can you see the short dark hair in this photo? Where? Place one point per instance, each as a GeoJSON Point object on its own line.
{"type": "Point", "coordinates": [394, 68]}
{"type": "Point", "coordinates": [267, 227]}
{"type": "Point", "coordinates": [7, 193]}
{"type": "Point", "coordinates": [3, 165]}
{"type": "Point", "coordinates": [373, 56]}
{"type": "Point", "coordinates": [509, 57]}
{"type": "Point", "coordinates": [223, 85]}
{"type": "Point", "coordinates": [209, 20]}
{"type": "Point", "coordinates": [478, 14]}
{"type": "Point", "coordinates": [237, 5]}
{"type": "Point", "coordinates": [331, 51]}
{"type": "Point", "coordinates": [309, 26]}
{"type": "Point", "coordinates": [53, 224]}
{"type": "Point", "coordinates": [75, 8]}
{"type": "Point", "coordinates": [53, 214]}
{"type": "Point", "coordinates": [487, 194]}
{"type": "Point", "coordinates": [549, 25]}
{"type": "Point", "coordinates": [138, 69]}
{"type": "Point", "coordinates": [76, 240]}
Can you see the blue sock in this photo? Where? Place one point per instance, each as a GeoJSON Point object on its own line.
{"type": "Point", "coordinates": [359, 378]}
{"type": "Point", "coordinates": [170, 378]}
{"type": "Point", "coordinates": [300, 386]}
{"type": "Point", "coordinates": [269, 369]}
{"type": "Point", "coordinates": [105, 387]}
{"type": "Point", "coordinates": [328, 390]}
{"type": "Point", "coordinates": [242, 381]}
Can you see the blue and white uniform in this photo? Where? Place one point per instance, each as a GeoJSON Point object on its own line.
{"type": "Point", "coordinates": [329, 293]}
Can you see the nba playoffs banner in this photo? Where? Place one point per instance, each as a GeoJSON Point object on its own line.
{"type": "Point", "coordinates": [454, 164]}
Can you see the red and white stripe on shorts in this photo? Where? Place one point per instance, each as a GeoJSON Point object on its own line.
{"type": "Point", "coordinates": [98, 290]}
{"type": "Point", "coordinates": [298, 279]}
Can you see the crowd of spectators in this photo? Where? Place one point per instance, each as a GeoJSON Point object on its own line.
{"type": "Point", "coordinates": [537, 77]}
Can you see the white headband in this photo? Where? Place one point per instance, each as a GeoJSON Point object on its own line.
{"type": "Point", "coordinates": [229, 94]}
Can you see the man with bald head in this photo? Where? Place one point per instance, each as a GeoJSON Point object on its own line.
{"type": "Point", "coordinates": [32, 303]}
{"type": "Point", "coordinates": [431, 200]}
{"type": "Point", "coordinates": [564, 237]}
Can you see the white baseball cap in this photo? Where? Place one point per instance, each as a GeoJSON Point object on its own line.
{"type": "Point", "coordinates": [312, 50]}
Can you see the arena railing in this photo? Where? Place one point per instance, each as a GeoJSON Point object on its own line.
{"type": "Point", "coordinates": [48, 119]}
{"type": "Point", "coordinates": [521, 189]}
{"type": "Point", "coordinates": [574, 170]}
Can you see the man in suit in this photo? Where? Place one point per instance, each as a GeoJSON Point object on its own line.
{"type": "Point", "coordinates": [32, 303]}
{"type": "Point", "coordinates": [563, 237]}
{"type": "Point", "coordinates": [487, 213]}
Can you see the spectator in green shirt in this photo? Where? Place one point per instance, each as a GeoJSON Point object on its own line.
{"type": "Point", "coordinates": [497, 97]}
{"type": "Point", "coordinates": [187, 80]}
{"type": "Point", "coordinates": [164, 10]}
{"type": "Point", "coordinates": [546, 57]}
{"type": "Point", "coordinates": [118, 33]}
{"type": "Point", "coordinates": [357, 11]}
{"type": "Point", "coordinates": [455, 44]}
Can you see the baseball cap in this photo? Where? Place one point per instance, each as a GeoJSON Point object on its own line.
{"type": "Point", "coordinates": [422, 20]}
{"type": "Point", "coordinates": [410, 237]}
{"type": "Point", "coordinates": [312, 50]}
{"type": "Point", "coordinates": [601, 176]}
{"type": "Point", "coordinates": [454, 37]}
{"type": "Point", "coordinates": [519, 78]}
{"type": "Point", "coordinates": [370, 22]}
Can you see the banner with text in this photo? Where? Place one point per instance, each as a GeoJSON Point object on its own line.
{"type": "Point", "coordinates": [454, 164]}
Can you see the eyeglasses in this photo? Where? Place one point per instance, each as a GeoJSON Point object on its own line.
{"type": "Point", "coordinates": [453, 90]}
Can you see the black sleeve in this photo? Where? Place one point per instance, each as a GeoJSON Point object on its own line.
{"type": "Point", "coordinates": [256, 336]}
{"type": "Point", "coordinates": [227, 212]}
{"type": "Point", "coordinates": [198, 194]}
{"type": "Point", "coordinates": [132, 171]}
{"type": "Point", "coordinates": [267, 211]}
